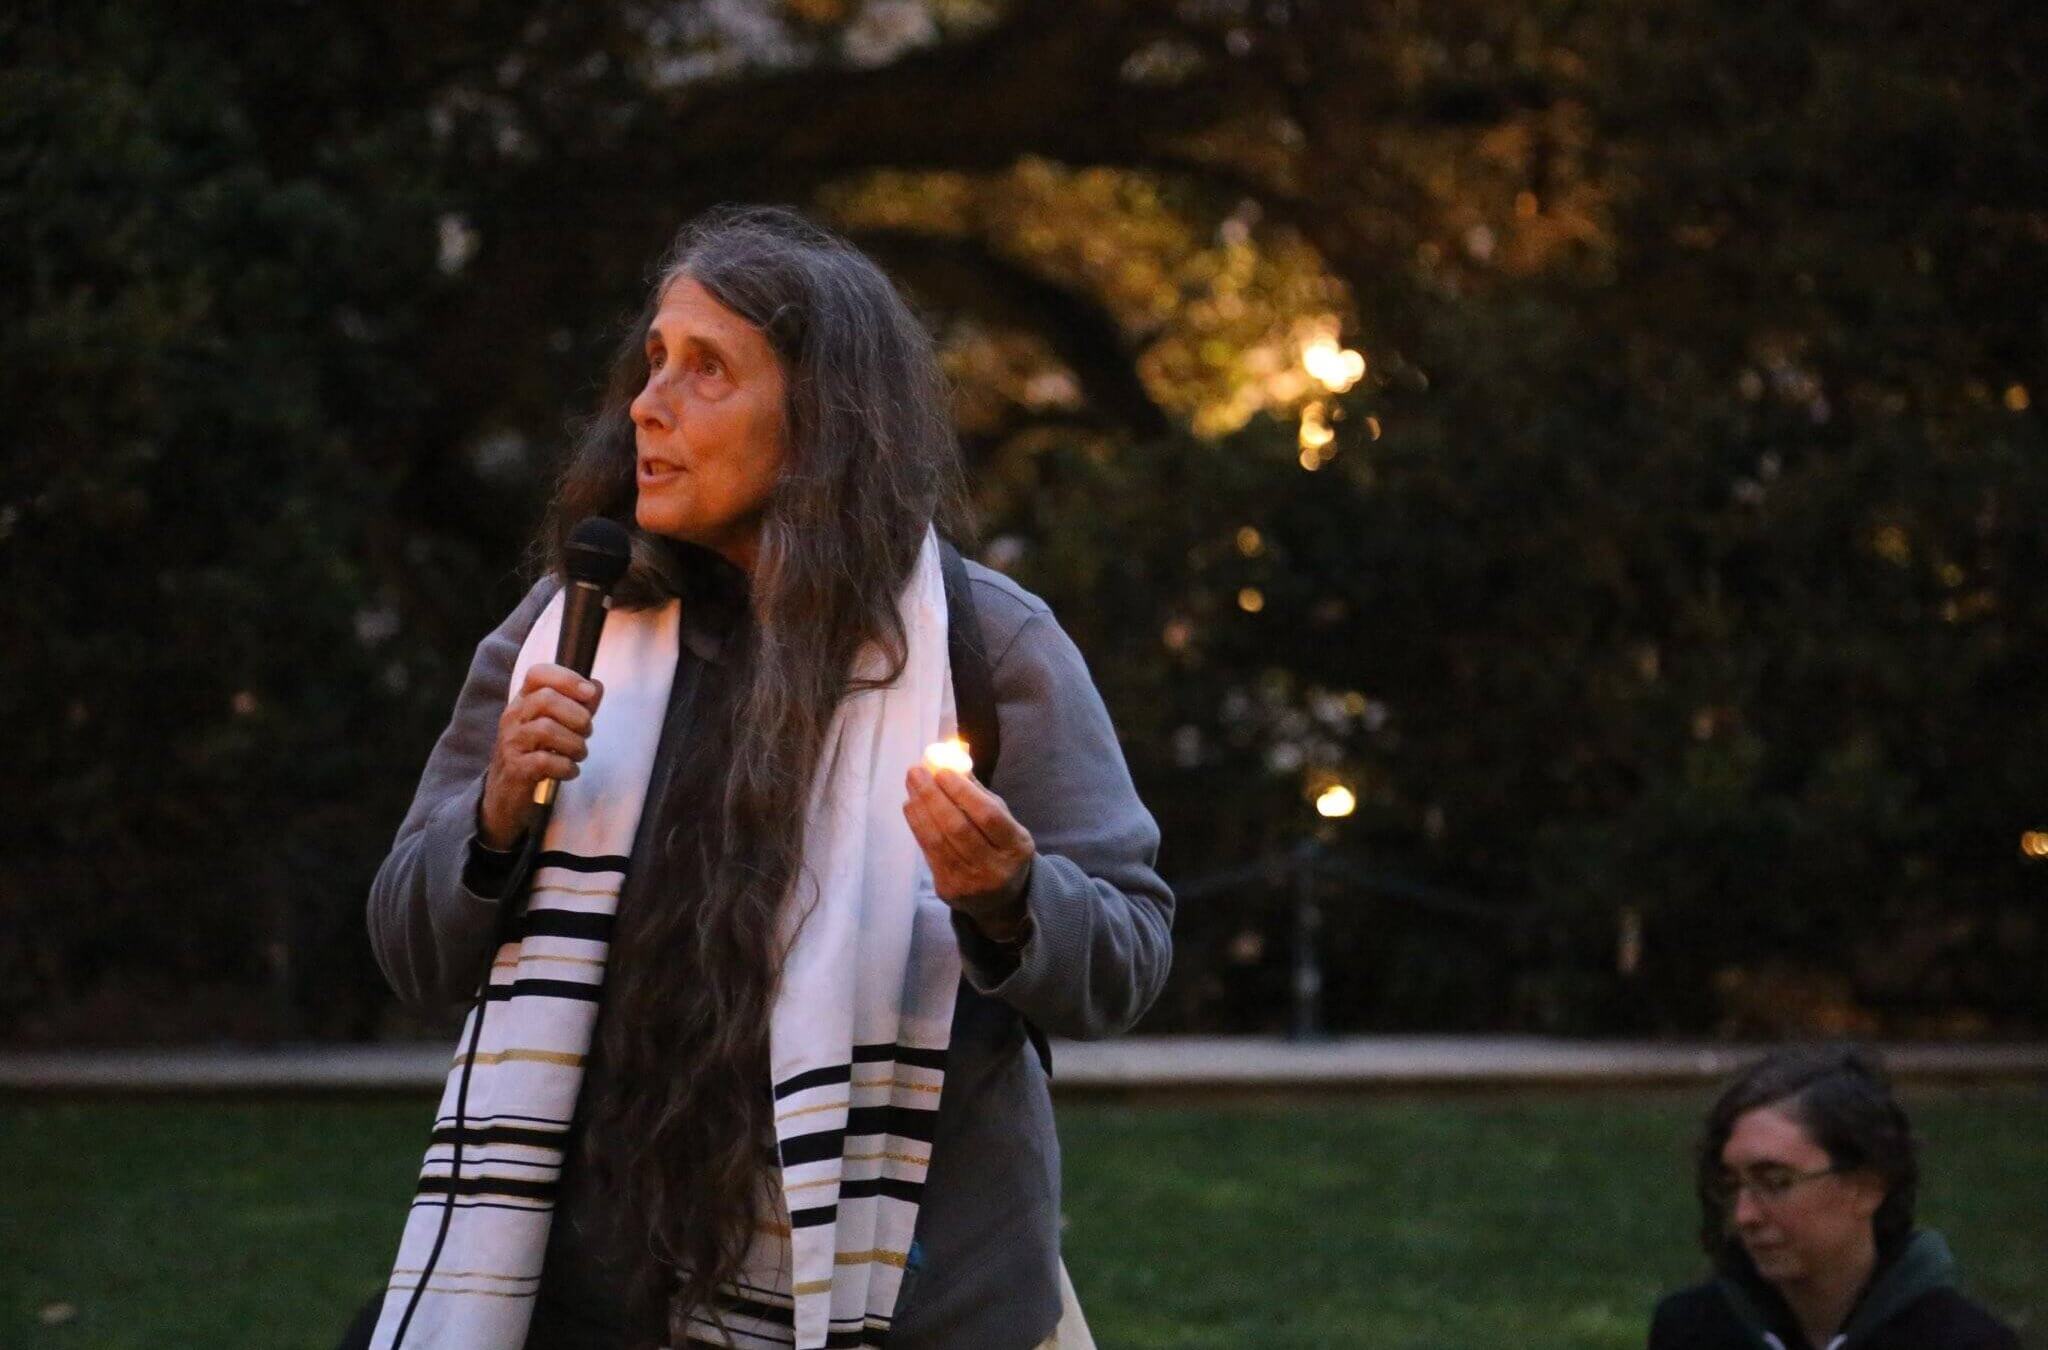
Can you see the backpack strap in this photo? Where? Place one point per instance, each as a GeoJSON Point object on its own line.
{"type": "Point", "coordinates": [974, 683]}
{"type": "Point", "coordinates": [974, 704]}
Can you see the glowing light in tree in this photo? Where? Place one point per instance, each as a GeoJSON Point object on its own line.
{"type": "Point", "coordinates": [1336, 801]}
{"type": "Point", "coordinates": [1335, 368]}
{"type": "Point", "coordinates": [1316, 436]}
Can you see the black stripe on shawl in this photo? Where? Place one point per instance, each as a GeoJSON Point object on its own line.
{"type": "Point", "coordinates": [538, 988]}
{"type": "Point", "coordinates": [905, 1122]}
{"type": "Point", "coordinates": [568, 923]}
{"type": "Point", "coordinates": [486, 1159]}
{"type": "Point", "coordinates": [810, 1078]}
{"type": "Point", "coordinates": [439, 1202]}
{"type": "Point", "coordinates": [502, 1134]}
{"type": "Point", "coordinates": [760, 1312]}
{"type": "Point", "coordinates": [849, 1338]}
{"type": "Point", "coordinates": [894, 1187]}
{"type": "Point", "coordinates": [577, 862]}
{"type": "Point", "coordinates": [781, 1315]}
{"type": "Point", "coordinates": [748, 1332]}
{"type": "Point", "coordinates": [549, 1123]}
{"type": "Point", "coordinates": [514, 1188]}
{"type": "Point", "coordinates": [814, 1217]}
{"type": "Point", "coordinates": [916, 1056]}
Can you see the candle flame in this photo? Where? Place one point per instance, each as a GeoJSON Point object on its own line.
{"type": "Point", "coordinates": [950, 753]}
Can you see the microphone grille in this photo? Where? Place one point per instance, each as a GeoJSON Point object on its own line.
{"type": "Point", "coordinates": [598, 552]}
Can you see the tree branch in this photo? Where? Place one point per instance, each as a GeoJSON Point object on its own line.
{"type": "Point", "coordinates": [965, 274]}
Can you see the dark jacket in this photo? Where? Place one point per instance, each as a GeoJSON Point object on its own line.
{"type": "Point", "coordinates": [1911, 1303]}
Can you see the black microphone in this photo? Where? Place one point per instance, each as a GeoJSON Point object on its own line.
{"type": "Point", "coordinates": [598, 553]}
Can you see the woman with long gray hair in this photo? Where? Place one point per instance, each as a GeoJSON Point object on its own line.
{"type": "Point", "coordinates": [752, 1055]}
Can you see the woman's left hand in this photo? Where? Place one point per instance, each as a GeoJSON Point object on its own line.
{"type": "Point", "coordinates": [979, 855]}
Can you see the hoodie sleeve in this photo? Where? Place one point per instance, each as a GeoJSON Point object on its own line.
{"type": "Point", "coordinates": [1099, 941]}
{"type": "Point", "coordinates": [431, 915]}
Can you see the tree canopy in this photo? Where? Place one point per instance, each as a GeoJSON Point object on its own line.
{"type": "Point", "coordinates": [1604, 438]}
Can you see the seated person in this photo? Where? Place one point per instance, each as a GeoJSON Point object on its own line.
{"type": "Point", "coordinates": [1807, 1176]}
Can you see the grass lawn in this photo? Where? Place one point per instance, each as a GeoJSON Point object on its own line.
{"type": "Point", "coordinates": [1546, 1220]}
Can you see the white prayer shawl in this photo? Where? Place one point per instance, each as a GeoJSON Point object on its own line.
{"type": "Point", "coordinates": [858, 1033]}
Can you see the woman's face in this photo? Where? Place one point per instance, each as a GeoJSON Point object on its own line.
{"type": "Point", "coordinates": [707, 425]}
{"type": "Point", "coordinates": [1795, 1217]}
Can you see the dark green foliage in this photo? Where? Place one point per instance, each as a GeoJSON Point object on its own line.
{"type": "Point", "coordinates": [209, 365]}
{"type": "Point", "coordinates": [1697, 582]}
{"type": "Point", "coordinates": [1693, 576]}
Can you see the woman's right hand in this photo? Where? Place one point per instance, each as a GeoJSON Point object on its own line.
{"type": "Point", "coordinates": [544, 732]}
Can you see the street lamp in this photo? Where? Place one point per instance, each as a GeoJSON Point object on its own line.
{"type": "Point", "coordinates": [1335, 802]}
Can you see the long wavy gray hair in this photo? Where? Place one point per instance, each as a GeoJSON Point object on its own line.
{"type": "Point", "coordinates": [685, 1130]}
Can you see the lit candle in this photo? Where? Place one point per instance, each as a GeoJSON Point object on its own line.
{"type": "Point", "coordinates": [950, 753]}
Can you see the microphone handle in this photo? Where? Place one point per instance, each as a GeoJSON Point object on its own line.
{"type": "Point", "coordinates": [582, 623]}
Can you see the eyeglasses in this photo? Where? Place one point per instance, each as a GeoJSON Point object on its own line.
{"type": "Point", "coordinates": [1767, 1185]}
